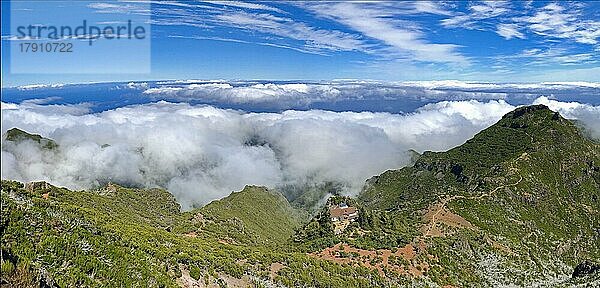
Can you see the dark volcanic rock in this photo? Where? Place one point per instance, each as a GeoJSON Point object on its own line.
{"type": "Point", "coordinates": [586, 268]}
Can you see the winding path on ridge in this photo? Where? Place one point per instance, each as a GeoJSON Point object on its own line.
{"type": "Point", "coordinates": [442, 205]}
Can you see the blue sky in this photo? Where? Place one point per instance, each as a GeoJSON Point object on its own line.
{"type": "Point", "coordinates": [525, 41]}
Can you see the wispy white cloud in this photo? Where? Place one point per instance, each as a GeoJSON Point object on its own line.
{"type": "Point", "coordinates": [402, 36]}
{"type": "Point", "coordinates": [256, 18]}
{"type": "Point", "coordinates": [394, 32]}
{"type": "Point", "coordinates": [133, 7]}
{"type": "Point", "coordinates": [550, 56]}
{"type": "Point", "coordinates": [553, 20]}
{"type": "Point", "coordinates": [490, 8]}
{"type": "Point", "coordinates": [248, 5]}
{"type": "Point", "coordinates": [313, 38]}
{"type": "Point", "coordinates": [299, 49]}
{"type": "Point", "coordinates": [431, 7]}
{"type": "Point", "coordinates": [509, 31]}
{"type": "Point", "coordinates": [561, 75]}
{"type": "Point", "coordinates": [478, 11]}
{"type": "Point", "coordinates": [405, 40]}
{"type": "Point", "coordinates": [556, 21]}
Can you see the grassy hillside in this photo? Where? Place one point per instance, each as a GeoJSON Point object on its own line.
{"type": "Point", "coordinates": [254, 215]}
{"type": "Point", "coordinates": [115, 237]}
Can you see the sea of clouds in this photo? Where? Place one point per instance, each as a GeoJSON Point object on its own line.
{"type": "Point", "coordinates": [201, 153]}
{"type": "Point", "coordinates": [293, 95]}
{"type": "Point", "coordinates": [278, 96]}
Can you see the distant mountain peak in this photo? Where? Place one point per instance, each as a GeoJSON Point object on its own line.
{"type": "Point", "coordinates": [525, 110]}
{"type": "Point", "coordinates": [522, 176]}
{"type": "Point", "coordinates": [531, 116]}
{"type": "Point", "coordinates": [18, 135]}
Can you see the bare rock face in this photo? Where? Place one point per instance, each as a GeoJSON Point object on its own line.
{"type": "Point", "coordinates": [586, 268]}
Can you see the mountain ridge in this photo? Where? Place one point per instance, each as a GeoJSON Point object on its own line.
{"type": "Point", "coordinates": [532, 167]}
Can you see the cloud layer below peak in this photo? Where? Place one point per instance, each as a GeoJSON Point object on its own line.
{"type": "Point", "coordinates": [201, 153]}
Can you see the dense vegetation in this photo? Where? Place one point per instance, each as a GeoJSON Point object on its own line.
{"type": "Point", "coordinates": [373, 229]}
{"type": "Point", "coordinates": [516, 205]}
{"type": "Point", "coordinates": [254, 215]}
{"type": "Point", "coordinates": [118, 236]}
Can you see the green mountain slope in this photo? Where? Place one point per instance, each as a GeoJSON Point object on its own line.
{"type": "Point", "coordinates": [254, 215]}
{"type": "Point", "coordinates": [122, 237]}
{"type": "Point", "coordinates": [18, 135]}
{"type": "Point", "coordinates": [527, 187]}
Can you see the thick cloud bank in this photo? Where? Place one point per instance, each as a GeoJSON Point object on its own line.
{"type": "Point", "coordinates": [310, 95]}
{"type": "Point", "coordinates": [278, 96]}
{"type": "Point", "coordinates": [201, 153]}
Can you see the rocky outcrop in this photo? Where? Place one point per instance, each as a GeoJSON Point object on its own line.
{"type": "Point", "coordinates": [586, 268]}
